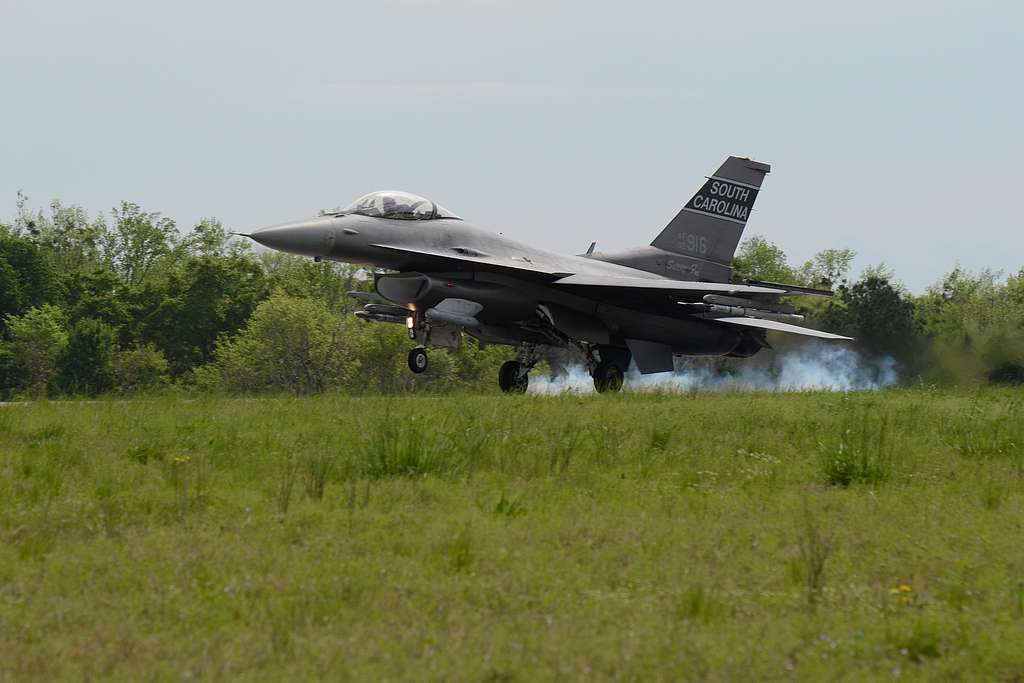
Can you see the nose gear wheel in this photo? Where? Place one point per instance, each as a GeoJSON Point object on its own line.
{"type": "Point", "coordinates": [418, 360]}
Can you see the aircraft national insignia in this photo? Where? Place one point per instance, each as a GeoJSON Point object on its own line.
{"type": "Point", "coordinates": [724, 200]}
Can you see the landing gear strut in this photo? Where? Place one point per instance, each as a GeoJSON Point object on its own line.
{"type": "Point", "coordinates": [418, 359]}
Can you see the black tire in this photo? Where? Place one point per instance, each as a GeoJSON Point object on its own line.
{"type": "Point", "coordinates": [608, 377]}
{"type": "Point", "coordinates": [418, 360]}
{"type": "Point", "coordinates": [511, 379]}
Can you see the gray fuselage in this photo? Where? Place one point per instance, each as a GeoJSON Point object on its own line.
{"type": "Point", "coordinates": [511, 280]}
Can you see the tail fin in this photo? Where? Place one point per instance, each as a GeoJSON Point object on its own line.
{"type": "Point", "coordinates": [700, 241]}
{"type": "Point", "coordinates": [709, 227]}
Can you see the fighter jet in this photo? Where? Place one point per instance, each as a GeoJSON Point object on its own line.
{"type": "Point", "coordinates": [443, 278]}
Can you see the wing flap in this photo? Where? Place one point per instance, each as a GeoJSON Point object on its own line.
{"type": "Point", "coordinates": [664, 284]}
{"type": "Point", "coordinates": [780, 327]}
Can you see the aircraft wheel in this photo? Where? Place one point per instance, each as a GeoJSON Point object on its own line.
{"type": "Point", "coordinates": [418, 360]}
{"type": "Point", "coordinates": [608, 377]}
{"type": "Point", "coordinates": [511, 379]}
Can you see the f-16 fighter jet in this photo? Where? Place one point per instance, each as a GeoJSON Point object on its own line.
{"type": "Point", "coordinates": [446, 278]}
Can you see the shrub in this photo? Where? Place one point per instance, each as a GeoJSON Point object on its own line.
{"type": "Point", "coordinates": [140, 368]}
{"type": "Point", "coordinates": [86, 364]}
{"type": "Point", "coordinates": [291, 345]}
{"type": "Point", "coordinates": [37, 340]}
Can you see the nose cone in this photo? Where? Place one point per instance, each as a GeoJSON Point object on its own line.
{"type": "Point", "coordinates": [308, 238]}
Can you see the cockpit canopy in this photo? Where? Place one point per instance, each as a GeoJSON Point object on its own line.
{"type": "Point", "coordinates": [398, 205]}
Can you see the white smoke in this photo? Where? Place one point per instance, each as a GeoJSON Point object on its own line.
{"type": "Point", "coordinates": [811, 366]}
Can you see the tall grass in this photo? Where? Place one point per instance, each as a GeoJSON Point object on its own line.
{"type": "Point", "coordinates": [631, 537]}
{"type": "Point", "coordinates": [409, 447]}
{"type": "Point", "coordinates": [860, 451]}
{"type": "Point", "coordinates": [318, 465]}
{"type": "Point", "coordinates": [286, 483]}
{"type": "Point", "coordinates": [989, 432]}
{"type": "Point", "coordinates": [815, 549]}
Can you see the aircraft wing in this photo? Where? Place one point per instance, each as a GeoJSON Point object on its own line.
{"type": "Point", "coordinates": [779, 327]}
{"type": "Point", "coordinates": [665, 285]}
{"type": "Point", "coordinates": [465, 256]}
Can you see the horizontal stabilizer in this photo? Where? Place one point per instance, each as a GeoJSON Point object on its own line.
{"type": "Point", "coordinates": [792, 289]}
{"type": "Point", "coordinates": [780, 327]}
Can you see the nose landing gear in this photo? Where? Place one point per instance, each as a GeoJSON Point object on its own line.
{"type": "Point", "coordinates": [418, 360]}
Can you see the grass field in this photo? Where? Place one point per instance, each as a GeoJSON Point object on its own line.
{"type": "Point", "coordinates": [492, 538]}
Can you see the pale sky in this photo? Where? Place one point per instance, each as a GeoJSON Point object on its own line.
{"type": "Point", "coordinates": [893, 128]}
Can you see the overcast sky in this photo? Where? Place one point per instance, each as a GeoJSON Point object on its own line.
{"type": "Point", "coordinates": [893, 128]}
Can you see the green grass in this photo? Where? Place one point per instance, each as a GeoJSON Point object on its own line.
{"type": "Point", "coordinates": [637, 537]}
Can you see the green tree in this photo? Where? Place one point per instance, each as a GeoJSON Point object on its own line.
{"type": "Point", "coordinates": [27, 277]}
{"type": "Point", "coordinates": [1015, 295]}
{"type": "Point", "coordinates": [12, 300]}
{"type": "Point", "coordinates": [85, 366]}
{"type": "Point", "coordinates": [184, 313]}
{"type": "Point", "coordinates": [975, 327]}
{"type": "Point", "coordinates": [328, 281]}
{"type": "Point", "coordinates": [37, 339]}
{"type": "Point", "coordinates": [759, 259]}
{"type": "Point", "coordinates": [828, 268]}
{"type": "Point", "coordinates": [964, 304]}
{"type": "Point", "coordinates": [291, 345]}
{"type": "Point", "coordinates": [382, 351]}
{"type": "Point", "coordinates": [67, 234]}
{"type": "Point", "coordinates": [140, 369]}
{"type": "Point", "coordinates": [97, 293]}
{"type": "Point", "coordinates": [880, 315]}
{"type": "Point", "coordinates": [137, 242]}
{"type": "Point", "coordinates": [209, 237]}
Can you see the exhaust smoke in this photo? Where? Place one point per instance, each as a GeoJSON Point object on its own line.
{"type": "Point", "coordinates": [811, 366]}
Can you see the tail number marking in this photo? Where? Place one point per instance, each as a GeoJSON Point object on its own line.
{"type": "Point", "coordinates": [694, 244]}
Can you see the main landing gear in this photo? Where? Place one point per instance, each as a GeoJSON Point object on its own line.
{"type": "Point", "coordinates": [514, 375]}
{"type": "Point", "coordinates": [608, 377]}
{"type": "Point", "coordinates": [605, 364]}
{"type": "Point", "coordinates": [607, 367]}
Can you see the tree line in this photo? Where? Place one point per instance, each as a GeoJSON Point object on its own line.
{"type": "Point", "coordinates": [127, 302]}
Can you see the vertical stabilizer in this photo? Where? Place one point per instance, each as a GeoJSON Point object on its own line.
{"type": "Point", "coordinates": [709, 227]}
{"type": "Point", "coordinates": [700, 241]}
